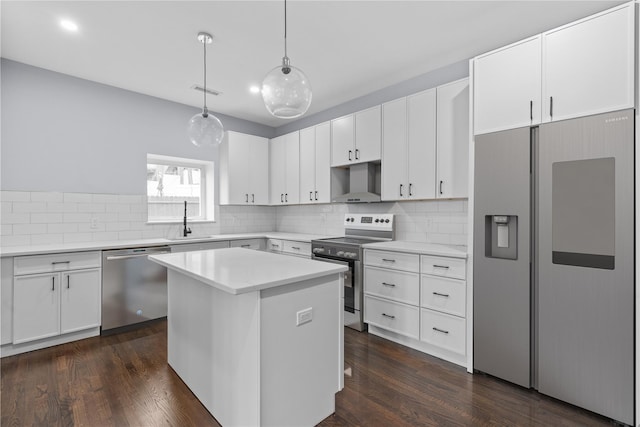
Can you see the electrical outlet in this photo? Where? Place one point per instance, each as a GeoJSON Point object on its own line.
{"type": "Point", "coordinates": [94, 223]}
{"type": "Point", "coordinates": [304, 316]}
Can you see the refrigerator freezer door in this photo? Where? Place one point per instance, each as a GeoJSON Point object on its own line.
{"type": "Point", "coordinates": [586, 263]}
{"type": "Point", "coordinates": [501, 295]}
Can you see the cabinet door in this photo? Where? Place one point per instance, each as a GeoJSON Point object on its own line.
{"type": "Point", "coordinates": [507, 87]}
{"type": "Point", "coordinates": [453, 140]}
{"type": "Point", "coordinates": [323, 164]}
{"type": "Point", "coordinates": [277, 167]}
{"type": "Point", "coordinates": [36, 307]}
{"type": "Point", "coordinates": [422, 145]}
{"type": "Point", "coordinates": [342, 140]}
{"type": "Point", "coordinates": [234, 169]}
{"type": "Point", "coordinates": [292, 169]}
{"type": "Point", "coordinates": [394, 150]}
{"type": "Point", "coordinates": [257, 171]}
{"type": "Point", "coordinates": [6, 300]}
{"type": "Point", "coordinates": [589, 65]}
{"type": "Point", "coordinates": [80, 300]}
{"type": "Point", "coordinates": [307, 165]}
{"type": "Point", "coordinates": [368, 135]}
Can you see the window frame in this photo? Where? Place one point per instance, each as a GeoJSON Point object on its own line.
{"type": "Point", "coordinates": [207, 188]}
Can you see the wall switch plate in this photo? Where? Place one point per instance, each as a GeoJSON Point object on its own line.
{"type": "Point", "coordinates": [94, 223]}
{"type": "Point", "coordinates": [304, 316]}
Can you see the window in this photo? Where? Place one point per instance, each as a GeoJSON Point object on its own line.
{"type": "Point", "coordinates": [171, 181]}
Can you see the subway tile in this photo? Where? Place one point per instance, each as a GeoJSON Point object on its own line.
{"type": "Point", "coordinates": [76, 217]}
{"type": "Point", "coordinates": [47, 239]}
{"type": "Point", "coordinates": [451, 206]}
{"type": "Point", "coordinates": [91, 207]}
{"type": "Point", "coordinates": [104, 198]}
{"type": "Point", "coordinates": [126, 216]}
{"type": "Point", "coordinates": [44, 218]}
{"type": "Point", "coordinates": [29, 207]}
{"type": "Point", "coordinates": [106, 217]}
{"type": "Point", "coordinates": [438, 238]}
{"type": "Point", "coordinates": [24, 240]}
{"type": "Point", "coordinates": [105, 236]}
{"type": "Point", "coordinates": [62, 207]}
{"type": "Point", "coordinates": [129, 235]}
{"type": "Point", "coordinates": [77, 237]}
{"type": "Point", "coordinates": [118, 207]}
{"type": "Point", "coordinates": [16, 218]}
{"type": "Point", "coordinates": [132, 198]}
{"type": "Point", "coordinates": [451, 228]}
{"type": "Point", "coordinates": [77, 197]}
{"type": "Point", "coordinates": [6, 229]}
{"type": "Point", "coordinates": [19, 229]}
{"type": "Point", "coordinates": [62, 228]}
{"type": "Point", "coordinates": [46, 196]}
{"type": "Point", "coordinates": [117, 226]}
{"type": "Point", "coordinates": [458, 239]}
{"type": "Point", "coordinates": [86, 228]}
{"type": "Point", "coordinates": [15, 196]}
{"type": "Point", "coordinates": [7, 207]}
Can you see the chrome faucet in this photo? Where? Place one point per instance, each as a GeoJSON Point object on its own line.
{"type": "Point", "coordinates": [186, 231]}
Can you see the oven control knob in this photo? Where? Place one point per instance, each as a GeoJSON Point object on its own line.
{"type": "Point", "coordinates": [386, 220]}
{"type": "Point", "coordinates": [340, 253]}
{"type": "Point", "coordinates": [350, 255]}
{"type": "Point", "coordinates": [377, 220]}
{"type": "Point", "coordinates": [318, 250]}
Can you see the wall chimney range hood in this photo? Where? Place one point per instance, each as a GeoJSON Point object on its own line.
{"type": "Point", "coordinates": [362, 185]}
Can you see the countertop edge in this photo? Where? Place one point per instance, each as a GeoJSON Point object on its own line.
{"type": "Point", "coordinates": [445, 250]}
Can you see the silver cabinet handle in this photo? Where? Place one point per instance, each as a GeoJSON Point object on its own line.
{"type": "Point", "coordinates": [316, 195]}
{"type": "Point", "coordinates": [275, 246]}
{"type": "Point", "coordinates": [53, 283]}
{"type": "Point", "coordinates": [311, 196]}
{"type": "Point", "coordinates": [245, 246]}
{"type": "Point", "coordinates": [388, 260]}
{"type": "Point", "coordinates": [60, 262]}
{"type": "Point", "coordinates": [391, 285]}
{"type": "Point", "coordinates": [446, 267]}
{"type": "Point", "coordinates": [295, 247]}
{"type": "Point", "coordinates": [388, 315]}
{"type": "Point", "coordinates": [357, 154]}
{"type": "Point", "coordinates": [400, 190]}
{"type": "Point", "coordinates": [441, 295]}
{"type": "Point", "coordinates": [551, 106]}
{"type": "Point", "coordinates": [350, 159]}
{"type": "Point", "coordinates": [441, 187]}
{"type": "Point", "coordinates": [440, 330]}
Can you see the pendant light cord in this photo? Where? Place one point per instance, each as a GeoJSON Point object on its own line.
{"type": "Point", "coordinates": [285, 28]}
{"type": "Point", "coordinates": [205, 111]}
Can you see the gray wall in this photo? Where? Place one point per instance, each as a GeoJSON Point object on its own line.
{"type": "Point", "coordinates": [422, 82]}
{"type": "Point", "coordinates": [61, 133]}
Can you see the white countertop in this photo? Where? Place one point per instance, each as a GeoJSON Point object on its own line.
{"type": "Point", "coordinates": [121, 244]}
{"type": "Point", "coordinates": [238, 270]}
{"type": "Point", "coordinates": [420, 248]}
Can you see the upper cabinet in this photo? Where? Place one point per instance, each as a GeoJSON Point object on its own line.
{"type": "Point", "coordinates": [507, 87]}
{"type": "Point", "coordinates": [453, 140]}
{"type": "Point", "coordinates": [244, 169]}
{"type": "Point", "coordinates": [588, 65]}
{"type": "Point", "coordinates": [583, 68]}
{"type": "Point", "coordinates": [315, 164]}
{"type": "Point", "coordinates": [356, 138]}
{"type": "Point", "coordinates": [285, 169]}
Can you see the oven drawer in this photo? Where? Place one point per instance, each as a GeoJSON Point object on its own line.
{"type": "Point", "coordinates": [444, 294]}
{"type": "Point", "coordinates": [394, 260]}
{"type": "Point", "coordinates": [399, 318]}
{"type": "Point", "coordinates": [296, 248]}
{"type": "Point", "coordinates": [446, 267]}
{"type": "Point", "coordinates": [395, 285]}
{"type": "Point", "coordinates": [443, 330]}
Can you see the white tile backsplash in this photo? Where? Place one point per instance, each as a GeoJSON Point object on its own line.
{"type": "Point", "coordinates": [35, 218]}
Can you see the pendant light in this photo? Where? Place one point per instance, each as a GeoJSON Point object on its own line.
{"type": "Point", "coordinates": [204, 129]}
{"type": "Point", "coordinates": [286, 91]}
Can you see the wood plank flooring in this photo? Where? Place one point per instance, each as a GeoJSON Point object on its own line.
{"type": "Point", "coordinates": [124, 380]}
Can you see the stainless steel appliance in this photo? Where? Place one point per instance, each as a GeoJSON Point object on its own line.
{"type": "Point", "coordinates": [134, 289]}
{"type": "Point", "coordinates": [554, 260]}
{"type": "Point", "coordinates": [347, 250]}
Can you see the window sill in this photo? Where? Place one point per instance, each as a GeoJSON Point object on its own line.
{"type": "Point", "coordinates": [175, 221]}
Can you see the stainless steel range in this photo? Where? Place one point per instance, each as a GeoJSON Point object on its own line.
{"type": "Point", "coordinates": [359, 229]}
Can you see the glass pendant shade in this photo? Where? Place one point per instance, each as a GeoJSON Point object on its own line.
{"type": "Point", "coordinates": [286, 95]}
{"type": "Point", "coordinates": [205, 130]}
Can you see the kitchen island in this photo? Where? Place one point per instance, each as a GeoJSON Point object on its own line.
{"type": "Point", "coordinates": [257, 337]}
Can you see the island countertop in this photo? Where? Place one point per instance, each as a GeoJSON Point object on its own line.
{"type": "Point", "coordinates": [239, 270]}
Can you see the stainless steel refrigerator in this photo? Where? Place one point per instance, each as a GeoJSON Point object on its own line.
{"type": "Point", "coordinates": [554, 260]}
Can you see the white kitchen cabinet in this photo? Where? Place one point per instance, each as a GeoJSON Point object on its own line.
{"type": "Point", "coordinates": [588, 65]}
{"type": "Point", "coordinates": [409, 147]}
{"type": "Point", "coordinates": [255, 244]}
{"type": "Point", "coordinates": [356, 138]}
{"type": "Point", "coordinates": [285, 169]}
{"type": "Point", "coordinates": [507, 87]}
{"type": "Point", "coordinates": [452, 140]}
{"type": "Point", "coordinates": [315, 164]}
{"type": "Point", "coordinates": [6, 300]}
{"type": "Point", "coordinates": [244, 170]}
{"type": "Point", "coordinates": [55, 294]}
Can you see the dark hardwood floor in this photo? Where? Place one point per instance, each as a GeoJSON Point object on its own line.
{"type": "Point", "coordinates": [124, 380]}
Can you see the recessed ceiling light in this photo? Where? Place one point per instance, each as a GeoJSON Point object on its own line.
{"type": "Point", "coordinates": [254, 89]}
{"type": "Point", "coordinates": [69, 25]}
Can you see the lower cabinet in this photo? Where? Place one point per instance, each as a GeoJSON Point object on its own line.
{"type": "Point", "coordinates": [255, 244]}
{"type": "Point", "coordinates": [289, 247]}
{"type": "Point", "coordinates": [418, 301]}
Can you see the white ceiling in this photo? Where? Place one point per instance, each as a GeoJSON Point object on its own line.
{"type": "Point", "coordinates": [346, 48]}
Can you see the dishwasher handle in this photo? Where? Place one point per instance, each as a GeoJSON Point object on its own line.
{"type": "Point", "coordinates": [118, 257]}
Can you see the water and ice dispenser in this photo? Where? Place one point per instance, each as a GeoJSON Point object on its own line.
{"type": "Point", "coordinates": [501, 237]}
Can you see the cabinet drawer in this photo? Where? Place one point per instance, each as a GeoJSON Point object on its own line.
{"type": "Point", "coordinates": [400, 318]}
{"type": "Point", "coordinates": [443, 330]}
{"type": "Point", "coordinates": [274, 245]}
{"type": "Point", "coordinates": [396, 285]}
{"type": "Point", "coordinates": [443, 294]}
{"type": "Point", "coordinates": [446, 267]}
{"type": "Point", "coordinates": [394, 260]}
{"type": "Point", "coordinates": [255, 244]}
{"type": "Point", "coordinates": [296, 248]}
{"type": "Point", "coordinates": [56, 262]}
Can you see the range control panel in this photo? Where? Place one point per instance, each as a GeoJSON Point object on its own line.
{"type": "Point", "coordinates": [382, 222]}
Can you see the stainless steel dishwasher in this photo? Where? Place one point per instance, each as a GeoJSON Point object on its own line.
{"type": "Point", "coordinates": [134, 289]}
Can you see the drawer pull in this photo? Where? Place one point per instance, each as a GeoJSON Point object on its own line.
{"type": "Point", "coordinates": [53, 283]}
{"type": "Point", "coordinates": [440, 330]}
{"type": "Point", "coordinates": [446, 267]}
{"type": "Point", "coordinates": [275, 246]}
{"type": "Point", "coordinates": [68, 279]}
{"type": "Point", "coordinates": [391, 285]}
{"type": "Point", "coordinates": [60, 262]}
{"type": "Point", "coordinates": [441, 295]}
{"type": "Point", "coordinates": [388, 315]}
{"type": "Point", "coordinates": [388, 260]}
{"type": "Point", "coordinates": [245, 246]}
{"type": "Point", "coordinates": [295, 247]}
